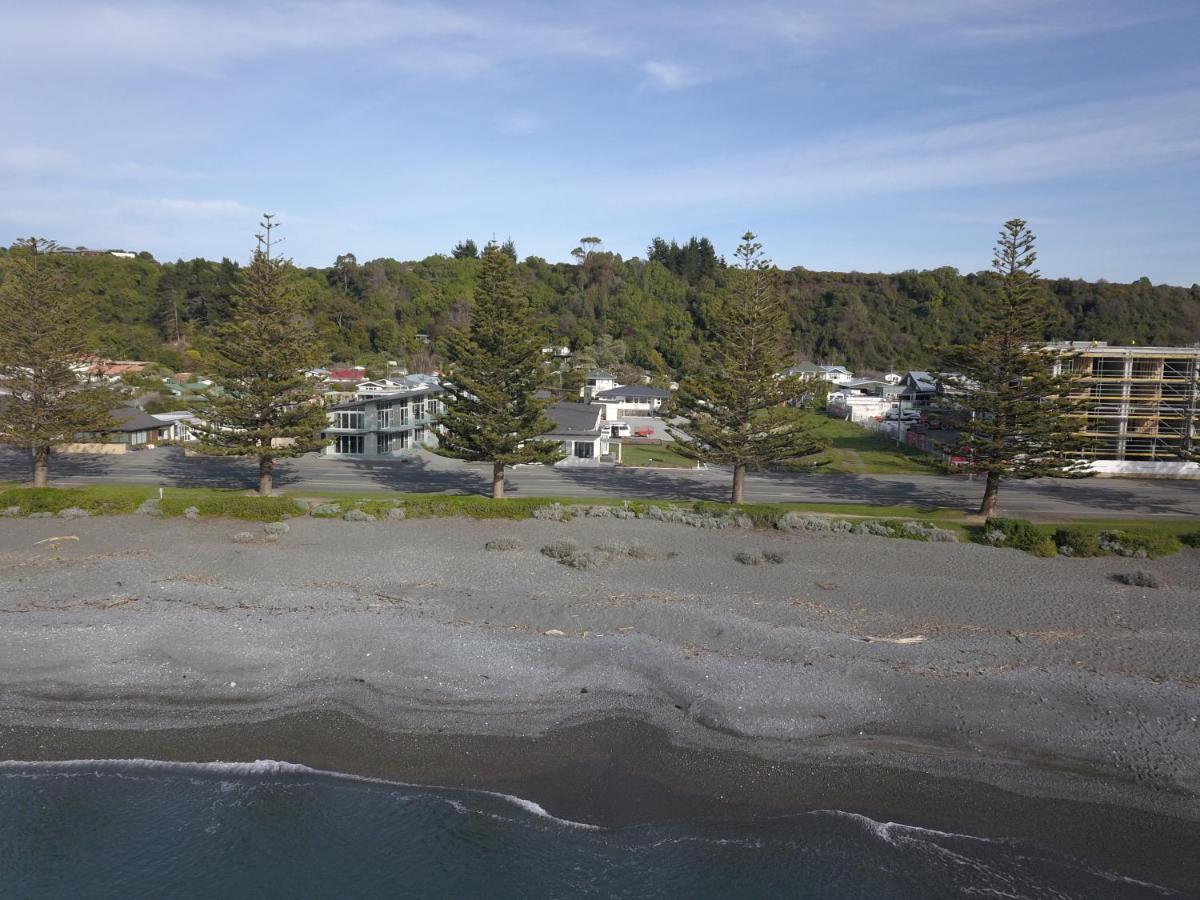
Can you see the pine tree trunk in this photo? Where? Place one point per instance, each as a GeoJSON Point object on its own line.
{"type": "Point", "coordinates": [41, 466]}
{"type": "Point", "coordinates": [497, 481]}
{"type": "Point", "coordinates": [266, 471]}
{"type": "Point", "coordinates": [739, 484]}
{"type": "Point", "coordinates": [988, 507]}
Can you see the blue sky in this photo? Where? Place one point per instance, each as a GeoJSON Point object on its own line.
{"type": "Point", "coordinates": [874, 135]}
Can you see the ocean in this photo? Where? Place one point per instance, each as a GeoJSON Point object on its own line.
{"type": "Point", "coordinates": [138, 828]}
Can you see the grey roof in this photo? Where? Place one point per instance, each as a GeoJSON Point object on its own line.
{"type": "Point", "coordinates": [130, 419]}
{"type": "Point", "coordinates": [600, 373]}
{"type": "Point", "coordinates": [574, 420]}
{"type": "Point", "coordinates": [923, 381]}
{"type": "Point", "coordinates": [634, 390]}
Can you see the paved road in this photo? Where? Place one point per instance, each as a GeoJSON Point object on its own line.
{"type": "Point", "coordinates": [424, 472]}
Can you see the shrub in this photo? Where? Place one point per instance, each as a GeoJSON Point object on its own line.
{"type": "Point", "coordinates": [554, 512]}
{"type": "Point", "coordinates": [873, 527]}
{"type": "Point", "coordinates": [582, 560]}
{"type": "Point", "coordinates": [326, 510]}
{"type": "Point", "coordinates": [1138, 579]}
{"type": "Point", "coordinates": [243, 537]}
{"type": "Point", "coordinates": [748, 558]}
{"type": "Point", "coordinates": [73, 512]}
{"type": "Point", "coordinates": [1044, 548]}
{"type": "Point", "coordinates": [1191, 539]}
{"type": "Point", "coordinates": [632, 551]}
{"type": "Point", "coordinates": [772, 557]}
{"type": "Point", "coordinates": [1017, 534]}
{"type": "Point", "coordinates": [228, 504]}
{"type": "Point", "coordinates": [502, 544]}
{"type": "Point", "coordinates": [357, 515]}
{"type": "Point", "coordinates": [102, 500]}
{"type": "Point", "coordinates": [277, 528]}
{"type": "Point", "coordinates": [1078, 543]}
{"type": "Point", "coordinates": [560, 550]}
{"type": "Point", "coordinates": [1139, 545]}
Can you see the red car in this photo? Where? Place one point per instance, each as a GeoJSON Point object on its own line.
{"type": "Point", "coordinates": [644, 432]}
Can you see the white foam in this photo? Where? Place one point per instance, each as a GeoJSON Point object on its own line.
{"type": "Point", "coordinates": [267, 767]}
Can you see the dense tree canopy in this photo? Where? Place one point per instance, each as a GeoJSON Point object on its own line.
{"type": "Point", "coordinates": [661, 306]}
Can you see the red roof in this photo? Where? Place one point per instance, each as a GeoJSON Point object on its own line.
{"type": "Point", "coordinates": [347, 374]}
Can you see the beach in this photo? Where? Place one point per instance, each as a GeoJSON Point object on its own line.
{"type": "Point", "coordinates": [949, 686]}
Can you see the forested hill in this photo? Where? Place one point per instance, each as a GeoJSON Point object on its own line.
{"type": "Point", "coordinates": [658, 306]}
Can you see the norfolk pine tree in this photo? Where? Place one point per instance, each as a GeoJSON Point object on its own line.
{"type": "Point", "coordinates": [1020, 425]}
{"type": "Point", "coordinates": [269, 407]}
{"type": "Point", "coordinates": [495, 366]}
{"type": "Point", "coordinates": [43, 339]}
{"type": "Point", "coordinates": [736, 404]}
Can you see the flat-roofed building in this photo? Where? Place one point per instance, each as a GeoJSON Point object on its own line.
{"type": "Point", "coordinates": [1138, 406]}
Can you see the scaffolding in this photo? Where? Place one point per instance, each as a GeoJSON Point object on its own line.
{"type": "Point", "coordinates": [1136, 404]}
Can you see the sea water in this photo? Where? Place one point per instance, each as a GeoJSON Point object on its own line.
{"type": "Point", "coordinates": [137, 828]}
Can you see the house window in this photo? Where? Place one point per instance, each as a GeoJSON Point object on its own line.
{"type": "Point", "coordinates": [349, 420]}
{"type": "Point", "coordinates": [418, 409]}
{"type": "Point", "coordinates": [402, 409]}
{"type": "Point", "coordinates": [403, 440]}
{"type": "Point", "coordinates": [351, 444]}
{"type": "Point", "coordinates": [383, 443]}
{"type": "Point", "coordinates": [383, 416]}
{"type": "Point", "coordinates": [418, 435]}
{"type": "Point", "coordinates": [585, 449]}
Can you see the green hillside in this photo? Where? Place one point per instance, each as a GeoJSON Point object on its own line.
{"type": "Point", "coordinates": [657, 306]}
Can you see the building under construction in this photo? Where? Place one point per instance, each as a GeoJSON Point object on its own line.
{"type": "Point", "coordinates": [1138, 406]}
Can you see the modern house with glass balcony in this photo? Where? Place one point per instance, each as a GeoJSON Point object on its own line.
{"type": "Point", "coordinates": [387, 417]}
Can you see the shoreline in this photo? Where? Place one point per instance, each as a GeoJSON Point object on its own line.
{"type": "Point", "coordinates": [946, 686]}
{"type": "Point", "coordinates": [616, 773]}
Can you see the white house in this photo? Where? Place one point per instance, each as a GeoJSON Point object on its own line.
{"type": "Point", "coordinates": [177, 425]}
{"type": "Point", "coordinates": [597, 381]}
{"type": "Point", "coordinates": [577, 427]}
{"type": "Point", "coordinates": [631, 400]}
{"type": "Point", "coordinates": [832, 374]}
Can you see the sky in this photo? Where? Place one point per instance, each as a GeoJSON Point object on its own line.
{"type": "Point", "coordinates": [868, 135]}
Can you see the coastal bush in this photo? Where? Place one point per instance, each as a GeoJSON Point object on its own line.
{"type": "Point", "coordinates": [150, 507]}
{"type": "Point", "coordinates": [1138, 579]}
{"type": "Point", "coordinates": [794, 521]}
{"type": "Point", "coordinates": [102, 500]}
{"type": "Point", "coordinates": [73, 512]}
{"type": "Point", "coordinates": [243, 537]}
{"type": "Point", "coordinates": [357, 515]}
{"type": "Point", "coordinates": [1139, 545]}
{"type": "Point", "coordinates": [553, 512]}
{"type": "Point", "coordinates": [326, 510]}
{"type": "Point", "coordinates": [560, 550]}
{"type": "Point", "coordinates": [277, 528]}
{"type": "Point", "coordinates": [227, 504]}
{"type": "Point", "coordinates": [1191, 539]}
{"type": "Point", "coordinates": [617, 548]}
{"type": "Point", "coordinates": [1078, 543]}
{"type": "Point", "coordinates": [582, 560]}
{"type": "Point", "coordinates": [502, 544]}
{"type": "Point", "coordinates": [1016, 534]}
{"type": "Point", "coordinates": [758, 557]}
{"type": "Point", "coordinates": [873, 527]}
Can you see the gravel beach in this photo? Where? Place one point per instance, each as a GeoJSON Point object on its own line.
{"type": "Point", "coordinates": [944, 685]}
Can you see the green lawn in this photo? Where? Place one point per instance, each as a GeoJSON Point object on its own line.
{"type": "Point", "coordinates": [855, 451]}
{"type": "Point", "coordinates": [657, 456]}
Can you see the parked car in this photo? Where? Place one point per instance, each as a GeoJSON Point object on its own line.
{"type": "Point", "coordinates": [619, 429]}
{"type": "Point", "coordinates": [644, 432]}
{"type": "Point", "coordinates": [908, 415]}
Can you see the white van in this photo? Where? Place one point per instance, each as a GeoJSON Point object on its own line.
{"type": "Point", "coordinates": [618, 429]}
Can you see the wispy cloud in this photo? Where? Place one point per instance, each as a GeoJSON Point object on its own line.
{"type": "Point", "coordinates": [671, 76]}
{"type": "Point", "coordinates": [1028, 148]}
{"type": "Point", "coordinates": [207, 39]}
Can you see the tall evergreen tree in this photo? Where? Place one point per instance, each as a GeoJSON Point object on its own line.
{"type": "Point", "coordinates": [736, 404]}
{"type": "Point", "coordinates": [43, 346]}
{"type": "Point", "coordinates": [495, 367]}
{"type": "Point", "coordinates": [267, 406]}
{"type": "Point", "coordinates": [1019, 425]}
